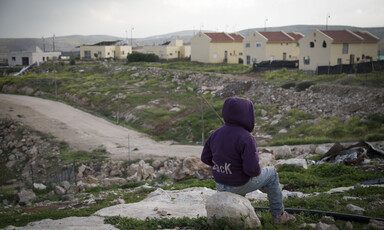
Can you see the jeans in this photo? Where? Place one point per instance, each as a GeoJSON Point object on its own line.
{"type": "Point", "coordinates": [267, 179]}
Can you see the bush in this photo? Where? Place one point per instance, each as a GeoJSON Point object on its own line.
{"type": "Point", "coordinates": [288, 85]}
{"type": "Point", "coordinates": [141, 57]}
{"type": "Point", "coordinates": [303, 85]}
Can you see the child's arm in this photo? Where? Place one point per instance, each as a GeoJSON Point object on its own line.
{"type": "Point", "coordinates": [250, 158]}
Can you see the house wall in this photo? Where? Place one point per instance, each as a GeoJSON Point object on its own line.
{"type": "Point", "coordinates": [268, 50]}
{"type": "Point", "coordinates": [185, 51]}
{"type": "Point", "coordinates": [330, 55]}
{"type": "Point", "coordinates": [274, 51]}
{"type": "Point", "coordinates": [256, 54]}
{"type": "Point", "coordinates": [217, 52]}
{"type": "Point", "coordinates": [15, 58]}
{"type": "Point", "coordinates": [200, 48]}
{"type": "Point", "coordinates": [106, 51]}
{"type": "Point", "coordinates": [318, 55]}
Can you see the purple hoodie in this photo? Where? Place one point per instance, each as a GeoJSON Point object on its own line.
{"type": "Point", "coordinates": [231, 149]}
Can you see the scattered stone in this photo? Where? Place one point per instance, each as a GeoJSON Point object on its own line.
{"type": "Point", "coordinates": [266, 159]}
{"type": "Point", "coordinates": [188, 168]}
{"type": "Point", "coordinates": [298, 162]}
{"type": "Point", "coordinates": [65, 184]}
{"type": "Point", "coordinates": [349, 225]}
{"type": "Point", "coordinates": [327, 219]}
{"type": "Point", "coordinates": [114, 181]}
{"type": "Point", "coordinates": [324, 226]}
{"type": "Point", "coordinates": [232, 207]}
{"type": "Point", "coordinates": [68, 197]}
{"type": "Point", "coordinates": [59, 190]}
{"type": "Point", "coordinates": [24, 197]}
{"type": "Point", "coordinates": [376, 224]}
{"type": "Point", "coordinates": [354, 208]}
{"type": "Point", "coordinates": [39, 186]}
{"type": "Point", "coordinates": [282, 152]}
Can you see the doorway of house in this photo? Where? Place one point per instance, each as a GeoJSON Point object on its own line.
{"type": "Point", "coordinates": [225, 56]}
{"type": "Point", "coordinates": [25, 61]}
{"type": "Point", "coordinates": [284, 56]}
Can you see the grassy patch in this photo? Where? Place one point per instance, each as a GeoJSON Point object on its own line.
{"type": "Point", "coordinates": [320, 178]}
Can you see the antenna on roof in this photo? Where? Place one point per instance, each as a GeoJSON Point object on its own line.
{"type": "Point", "coordinates": [326, 22]}
{"type": "Point", "coordinates": [265, 24]}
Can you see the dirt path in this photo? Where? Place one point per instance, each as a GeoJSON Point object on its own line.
{"type": "Point", "coordinates": [83, 131]}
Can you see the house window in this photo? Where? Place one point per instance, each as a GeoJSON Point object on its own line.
{"type": "Point", "coordinates": [214, 56]}
{"type": "Point", "coordinates": [87, 54]}
{"type": "Point", "coordinates": [297, 44]}
{"type": "Point", "coordinates": [43, 58]}
{"type": "Point", "coordinates": [312, 44]}
{"type": "Point", "coordinates": [363, 56]}
{"type": "Point", "coordinates": [324, 44]}
{"type": "Point", "coordinates": [13, 58]}
{"type": "Point", "coordinates": [99, 53]}
{"type": "Point", "coordinates": [345, 48]}
{"type": "Point", "coordinates": [247, 45]}
{"type": "Point", "coordinates": [108, 53]}
{"type": "Point", "coordinates": [248, 60]}
{"type": "Point", "coordinates": [240, 54]}
{"type": "Point", "coordinates": [281, 43]}
{"type": "Point", "coordinates": [258, 44]}
{"type": "Point", "coordinates": [122, 52]}
{"type": "Point", "coordinates": [339, 61]}
{"type": "Point", "coordinates": [170, 54]}
{"type": "Point", "coordinates": [306, 60]}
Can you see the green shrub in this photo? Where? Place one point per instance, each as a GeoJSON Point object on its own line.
{"type": "Point", "coordinates": [141, 57]}
{"type": "Point", "coordinates": [288, 85]}
{"type": "Point", "coordinates": [303, 85]}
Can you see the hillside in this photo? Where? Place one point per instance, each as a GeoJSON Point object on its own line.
{"type": "Point", "coordinates": [68, 43]}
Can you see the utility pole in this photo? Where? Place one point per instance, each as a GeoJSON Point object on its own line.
{"type": "Point", "coordinates": [54, 74]}
{"type": "Point", "coordinates": [53, 42]}
{"type": "Point", "coordinates": [131, 36]}
{"type": "Point", "coordinates": [326, 21]}
{"type": "Point", "coordinates": [43, 43]}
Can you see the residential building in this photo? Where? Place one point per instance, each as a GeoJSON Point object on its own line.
{"type": "Point", "coordinates": [26, 58]}
{"type": "Point", "coordinates": [335, 47]}
{"type": "Point", "coordinates": [174, 49]}
{"type": "Point", "coordinates": [217, 47]}
{"type": "Point", "coordinates": [105, 49]}
{"type": "Point", "coordinates": [270, 46]}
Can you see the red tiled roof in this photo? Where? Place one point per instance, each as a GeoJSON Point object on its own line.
{"type": "Point", "coordinates": [342, 36]}
{"type": "Point", "coordinates": [366, 36]}
{"type": "Point", "coordinates": [224, 37]}
{"type": "Point", "coordinates": [296, 36]}
{"type": "Point", "coordinates": [277, 36]}
{"type": "Point", "coordinates": [237, 37]}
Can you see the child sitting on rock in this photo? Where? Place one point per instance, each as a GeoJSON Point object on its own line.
{"type": "Point", "coordinates": [232, 152]}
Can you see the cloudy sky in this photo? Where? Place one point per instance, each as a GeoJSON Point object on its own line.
{"type": "Point", "coordinates": [37, 18]}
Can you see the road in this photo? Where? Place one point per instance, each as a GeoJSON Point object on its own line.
{"type": "Point", "coordinates": [83, 131]}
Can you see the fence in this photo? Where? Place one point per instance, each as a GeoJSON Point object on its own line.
{"type": "Point", "coordinates": [273, 65]}
{"type": "Point", "coordinates": [365, 67]}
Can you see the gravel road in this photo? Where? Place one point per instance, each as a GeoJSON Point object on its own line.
{"type": "Point", "coordinates": [83, 131]}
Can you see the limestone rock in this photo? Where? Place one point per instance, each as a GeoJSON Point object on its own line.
{"type": "Point", "coordinates": [189, 167]}
{"type": "Point", "coordinates": [298, 162]}
{"type": "Point", "coordinates": [59, 190]}
{"type": "Point", "coordinates": [323, 226]}
{"type": "Point", "coordinates": [114, 181]}
{"type": "Point", "coordinates": [266, 159]}
{"type": "Point", "coordinates": [39, 186]}
{"type": "Point", "coordinates": [25, 196]}
{"type": "Point", "coordinates": [282, 152]}
{"type": "Point", "coordinates": [231, 207]}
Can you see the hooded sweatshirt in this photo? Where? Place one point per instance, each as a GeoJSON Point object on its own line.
{"type": "Point", "coordinates": [232, 150]}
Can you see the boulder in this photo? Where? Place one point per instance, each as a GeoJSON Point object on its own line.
{"type": "Point", "coordinates": [191, 167]}
{"type": "Point", "coordinates": [232, 207]}
{"type": "Point", "coordinates": [39, 186]}
{"type": "Point", "coordinates": [25, 196]}
{"type": "Point", "coordinates": [59, 190]}
{"type": "Point", "coordinates": [65, 184]}
{"type": "Point", "coordinates": [156, 164]}
{"type": "Point", "coordinates": [324, 226]}
{"type": "Point", "coordinates": [298, 162]}
{"type": "Point", "coordinates": [266, 159]}
{"type": "Point", "coordinates": [321, 149]}
{"type": "Point", "coordinates": [282, 152]}
{"type": "Point", "coordinates": [114, 181]}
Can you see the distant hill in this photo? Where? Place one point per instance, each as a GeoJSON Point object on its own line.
{"type": "Point", "coordinates": [69, 43]}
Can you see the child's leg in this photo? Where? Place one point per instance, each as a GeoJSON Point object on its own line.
{"type": "Point", "coordinates": [268, 179]}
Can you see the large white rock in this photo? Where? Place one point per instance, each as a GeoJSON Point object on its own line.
{"type": "Point", "coordinates": [232, 207]}
{"type": "Point", "coordinates": [266, 159]}
{"type": "Point", "coordinates": [78, 223]}
{"type": "Point", "coordinates": [189, 167]}
{"type": "Point", "coordinates": [188, 202]}
{"type": "Point", "coordinates": [298, 162]}
{"type": "Point", "coordinates": [282, 152]}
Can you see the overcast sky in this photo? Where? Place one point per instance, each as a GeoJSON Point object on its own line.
{"type": "Point", "coordinates": [37, 18]}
